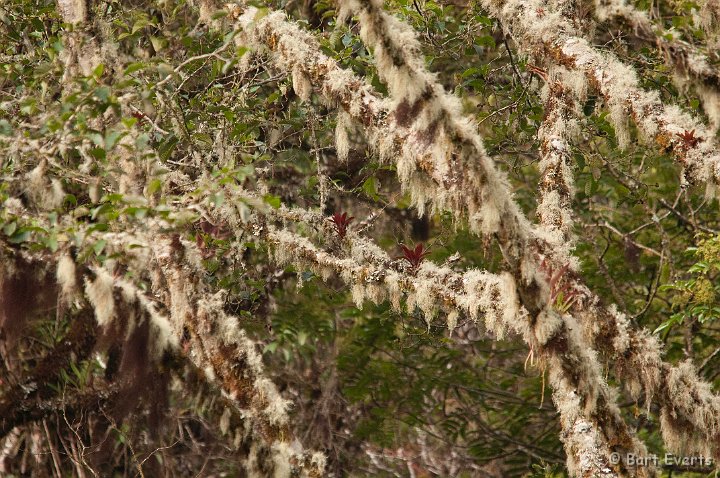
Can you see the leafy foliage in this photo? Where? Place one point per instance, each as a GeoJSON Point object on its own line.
{"type": "Point", "coordinates": [157, 120]}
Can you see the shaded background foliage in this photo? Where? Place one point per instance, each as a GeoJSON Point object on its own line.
{"type": "Point", "coordinates": [382, 393]}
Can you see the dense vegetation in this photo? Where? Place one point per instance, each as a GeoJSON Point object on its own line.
{"type": "Point", "coordinates": [419, 238]}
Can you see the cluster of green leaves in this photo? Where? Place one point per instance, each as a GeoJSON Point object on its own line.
{"type": "Point", "coordinates": [697, 296]}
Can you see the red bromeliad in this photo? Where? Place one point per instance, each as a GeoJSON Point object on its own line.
{"type": "Point", "coordinates": [414, 256]}
{"type": "Point", "coordinates": [341, 221]}
{"type": "Point", "coordinates": [689, 139]}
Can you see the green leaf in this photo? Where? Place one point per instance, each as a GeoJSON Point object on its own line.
{"type": "Point", "coordinates": [100, 226]}
{"type": "Point", "coordinates": [243, 172]}
{"type": "Point", "coordinates": [100, 210]}
{"type": "Point", "coordinates": [261, 13]}
{"type": "Point", "coordinates": [10, 228]}
{"type": "Point", "coordinates": [470, 72]}
{"type": "Point", "coordinates": [137, 212]}
{"type": "Point", "coordinates": [674, 319]}
{"type": "Point", "coordinates": [153, 186]}
{"type": "Point", "coordinates": [70, 200]}
{"type": "Point", "coordinates": [370, 187]}
{"type": "Point", "coordinates": [5, 128]}
{"type": "Point", "coordinates": [52, 243]}
{"type": "Point", "coordinates": [102, 93]}
{"type": "Point", "coordinates": [580, 160]}
{"type": "Point", "coordinates": [217, 199]}
{"type": "Point", "coordinates": [112, 138]}
{"type": "Point", "coordinates": [113, 198]}
{"type": "Point", "coordinates": [97, 138]}
{"type": "Point", "coordinates": [98, 153]}
{"type": "Point", "coordinates": [140, 23]}
{"type": "Point", "coordinates": [129, 122]}
{"type": "Point", "coordinates": [240, 51]}
{"type": "Point", "coordinates": [485, 41]}
{"type": "Point", "coordinates": [228, 65]}
{"type": "Point", "coordinates": [99, 246]}
{"type": "Point", "coordinates": [133, 67]}
{"type": "Point", "coordinates": [158, 43]}
{"type": "Point", "coordinates": [700, 267]}
{"type": "Point", "coordinates": [20, 236]}
{"type": "Point", "coordinates": [273, 201]}
{"type": "Point", "coordinates": [98, 71]}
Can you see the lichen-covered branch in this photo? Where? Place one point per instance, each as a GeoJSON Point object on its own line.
{"type": "Point", "coordinates": [73, 11]}
{"type": "Point", "coordinates": [545, 33]}
{"type": "Point", "coordinates": [374, 276]}
{"type": "Point", "coordinates": [560, 125]}
{"type": "Point", "coordinates": [220, 348]}
{"type": "Point", "coordinates": [692, 66]}
{"type": "Point", "coordinates": [439, 157]}
{"type": "Point", "coordinates": [689, 409]}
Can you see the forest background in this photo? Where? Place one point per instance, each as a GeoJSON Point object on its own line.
{"type": "Point", "coordinates": [411, 238]}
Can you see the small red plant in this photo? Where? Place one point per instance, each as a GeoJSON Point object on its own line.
{"type": "Point", "coordinates": [219, 231]}
{"type": "Point", "coordinates": [341, 221]}
{"type": "Point", "coordinates": [688, 138]}
{"type": "Point", "coordinates": [205, 228]}
{"type": "Point", "coordinates": [140, 117]}
{"type": "Point", "coordinates": [562, 293]}
{"type": "Point", "coordinates": [414, 256]}
{"type": "Point", "coordinates": [538, 71]}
